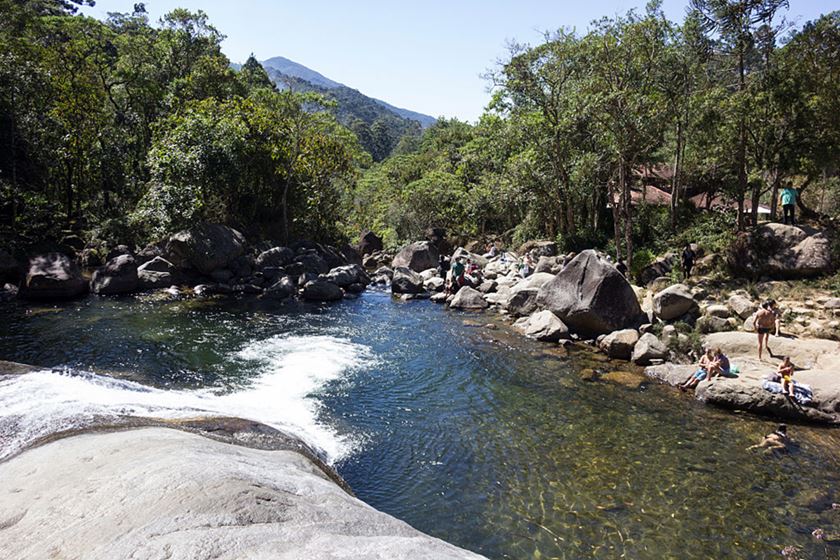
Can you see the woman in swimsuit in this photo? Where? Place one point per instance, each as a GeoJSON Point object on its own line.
{"type": "Point", "coordinates": [785, 371]}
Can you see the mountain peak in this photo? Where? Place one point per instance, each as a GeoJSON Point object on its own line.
{"type": "Point", "coordinates": [294, 69]}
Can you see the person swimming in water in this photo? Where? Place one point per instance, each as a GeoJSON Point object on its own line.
{"type": "Point", "coordinates": [777, 440]}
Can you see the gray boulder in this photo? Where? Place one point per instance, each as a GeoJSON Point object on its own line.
{"type": "Point", "coordinates": [538, 248]}
{"type": "Point", "coordinates": [281, 289]}
{"type": "Point", "coordinates": [417, 256]}
{"type": "Point", "coordinates": [522, 301]}
{"type": "Point", "coordinates": [205, 247]}
{"type": "Point", "coordinates": [369, 243]}
{"type": "Point", "coordinates": [673, 302]}
{"type": "Point", "coordinates": [619, 344]}
{"type": "Point", "coordinates": [52, 276]}
{"type": "Point", "coordinates": [544, 326]}
{"type": "Point", "coordinates": [343, 276]}
{"type": "Point", "coordinates": [276, 256]}
{"type": "Point", "coordinates": [648, 349]}
{"type": "Point", "coordinates": [468, 298]}
{"type": "Point", "coordinates": [406, 281]}
{"type": "Point", "coordinates": [662, 266]}
{"type": "Point", "coordinates": [742, 305]}
{"type": "Point", "coordinates": [782, 251]}
{"type": "Point", "coordinates": [157, 493]}
{"type": "Point", "coordinates": [435, 284]}
{"type": "Point", "coordinates": [118, 276]}
{"type": "Point", "coordinates": [320, 290]}
{"type": "Point", "coordinates": [312, 262]}
{"type": "Point", "coordinates": [156, 273]}
{"type": "Point", "coordinates": [591, 296]}
{"type": "Point", "coordinates": [711, 323]}
{"type": "Point", "coordinates": [551, 265]}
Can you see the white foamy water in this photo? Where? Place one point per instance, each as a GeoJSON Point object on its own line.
{"type": "Point", "coordinates": [289, 372]}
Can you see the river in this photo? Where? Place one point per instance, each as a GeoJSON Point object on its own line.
{"type": "Point", "coordinates": [490, 441]}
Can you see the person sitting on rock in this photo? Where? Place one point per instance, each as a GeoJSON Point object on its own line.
{"type": "Point", "coordinates": [456, 275]}
{"type": "Point", "coordinates": [527, 266]}
{"type": "Point", "coordinates": [708, 365]}
{"type": "Point", "coordinates": [723, 366]}
{"type": "Point", "coordinates": [764, 321]}
{"type": "Point", "coordinates": [777, 440]}
{"type": "Point", "coordinates": [492, 251]}
{"type": "Point", "coordinates": [785, 371]}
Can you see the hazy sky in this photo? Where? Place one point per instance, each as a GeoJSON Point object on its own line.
{"type": "Point", "coordinates": [426, 56]}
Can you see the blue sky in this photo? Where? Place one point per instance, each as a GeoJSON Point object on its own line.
{"type": "Point", "coordinates": [425, 56]}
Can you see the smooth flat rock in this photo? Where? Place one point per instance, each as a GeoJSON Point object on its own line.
{"type": "Point", "coordinates": [160, 493]}
{"type": "Point", "coordinates": [819, 358]}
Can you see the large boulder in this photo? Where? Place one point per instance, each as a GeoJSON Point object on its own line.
{"type": "Point", "coordinates": [344, 276]}
{"type": "Point", "coordinates": [276, 256]}
{"type": "Point", "coordinates": [544, 326]}
{"type": "Point", "coordinates": [538, 248]}
{"type": "Point", "coordinates": [479, 260]}
{"type": "Point", "coordinates": [156, 273]}
{"type": "Point", "coordinates": [591, 296]}
{"type": "Point", "coordinates": [313, 262]}
{"type": "Point", "coordinates": [320, 290]}
{"type": "Point", "coordinates": [619, 344]}
{"type": "Point", "coordinates": [437, 237]}
{"type": "Point", "coordinates": [118, 276]}
{"type": "Point", "coordinates": [468, 298]}
{"type": "Point", "coordinates": [648, 349]}
{"type": "Point", "coordinates": [662, 266]}
{"type": "Point", "coordinates": [205, 247]}
{"type": "Point", "coordinates": [743, 306]}
{"type": "Point", "coordinates": [406, 281]}
{"type": "Point", "coordinates": [52, 276]}
{"type": "Point", "coordinates": [417, 256]}
{"type": "Point", "coordinates": [281, 289]}
{"type": "Point", "coordinates": [522, 301]}
{"type": "Point", "coordinates": [9, 268]}
{"type": "Point", "coordinates": [162, 493]}
{"type": "Point", "coordinates": [673, 302]}
{"type": "Point", "coordinates": [369, 243]}
{"type": "Point", "coordinates": [781, 251]}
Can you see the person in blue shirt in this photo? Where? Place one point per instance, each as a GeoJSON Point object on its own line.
{"type": "Point", "coordinates": [787, 198]}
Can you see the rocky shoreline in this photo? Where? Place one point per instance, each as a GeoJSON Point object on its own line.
{"type": "Point", "coordinates": [582, 298]}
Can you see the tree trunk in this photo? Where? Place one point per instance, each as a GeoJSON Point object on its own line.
{"type": "Point", "coordinates": [626, 200]}
{"type": "Point", "coordinates": [614, 202]}
{"type": "Point", "coordinates": [675, 180]}
{"type": "Point", "coordinates": [742, 146]}
{"type": "Point", "coordinates": [285, 213]}
{"type": "Point", "coordinates": [69, 192]}
{"type": "Point", "coordinates": [13, 124]}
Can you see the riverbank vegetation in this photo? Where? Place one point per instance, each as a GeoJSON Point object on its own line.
{"type": "Point", "coordinates": [125, 130]}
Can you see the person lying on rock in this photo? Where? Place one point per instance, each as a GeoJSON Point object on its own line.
{"type": "Point", "coordinates": [777, 440]}
{"type": "Point", "coordinates": [764, 321]}
{"type": "Point", "coordinates": [708, 367]}
{"type": "Point", "coordinates": [785, 371]}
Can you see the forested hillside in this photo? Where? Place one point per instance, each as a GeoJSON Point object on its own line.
{"type": "Point", "coordinates": [730, 102]}
{"type": "Point", "coordinates": [378, 128]}
{"type": "Point", "coordinates": [126, 129]}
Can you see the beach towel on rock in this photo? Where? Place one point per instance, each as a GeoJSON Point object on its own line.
{"type": "Point", "coordinates": [802, 393]}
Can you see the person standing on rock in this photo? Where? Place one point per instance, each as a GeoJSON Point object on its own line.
{"type": "Point", "coordinates": [688, 256]}
{"type": "Point", "coordinates": [787, 198]}
{"type": "Point", "coordinates": [764, 322]}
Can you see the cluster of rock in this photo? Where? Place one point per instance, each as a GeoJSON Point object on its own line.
{"type": "Point", "coordinates": [212, 258]}
{"type": "Point", "coordinates": [817, 362]}
{"type": "Point", "coordinates": [567, 297]}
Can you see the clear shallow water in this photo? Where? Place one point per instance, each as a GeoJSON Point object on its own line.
{"type": "Point", "coordinates": [481, 438]}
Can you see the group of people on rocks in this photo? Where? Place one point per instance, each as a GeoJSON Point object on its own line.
{"type": "Point", "coordinates": [714, 362]}
{"type": "Point", "coordinates": [458, 272]}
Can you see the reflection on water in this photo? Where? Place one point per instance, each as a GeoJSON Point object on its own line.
{"type": "Point", "coordinates": [504, 446]}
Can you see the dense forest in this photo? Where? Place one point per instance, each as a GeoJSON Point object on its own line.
{"type": "Point", "coordinates": [124, 130]}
